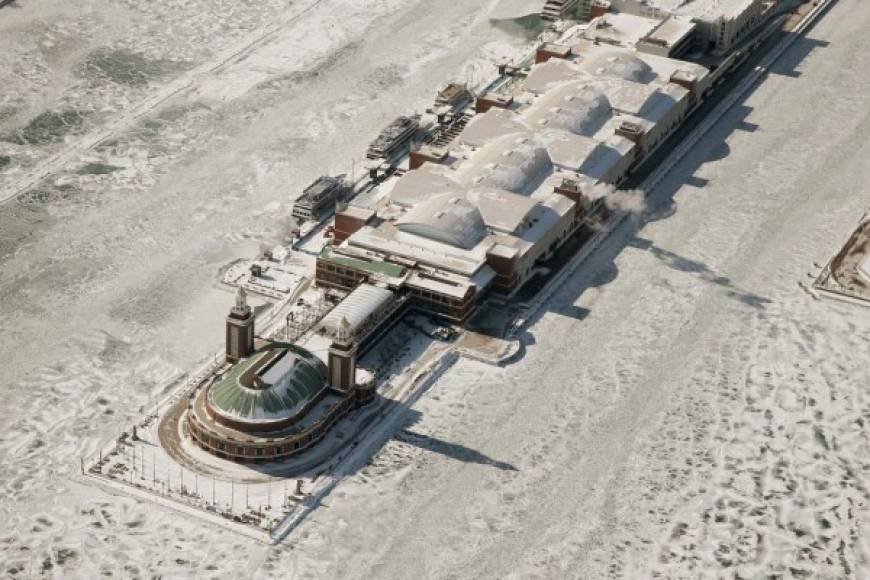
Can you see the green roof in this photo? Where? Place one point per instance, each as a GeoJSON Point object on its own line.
{"type": "Point", "coordinates": [379, 267]}
{"type": "Point", "coordinates": [292, 377]}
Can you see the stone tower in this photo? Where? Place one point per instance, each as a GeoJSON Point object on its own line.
{"type": "Point", "coordinates": [240, 329]}
{"type": "Point", "coordinates": [342, 359]}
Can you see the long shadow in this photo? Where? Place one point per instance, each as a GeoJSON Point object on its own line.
{"type": "Point", "coordinates": [451, 450]}
{"type": "Point", "coordinates": [787, 65]}
{"type": "Point", "coordinates": [702, 270]}
{"type": "Point", "coordinates": [661, 202]}
{"type": "Point", "coordinates": [401, 419]}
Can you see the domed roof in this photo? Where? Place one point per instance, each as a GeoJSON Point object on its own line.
{"type": "Point", "coordinates": [516, 163]}
{"type": "Point", "coordinates": [577, 153]}
{"type": "Point", "coordinates": [545, 75]}
{"type": "Point", "coordinates": [447, 219]}
{"type": "Point", "coordinates": [619, 64]}
{"type": "Point", "coordinates": [274, 385]}
{"type": "Point", "coordinates": [520, 167]}
{"type": "Point", "coordinates": [575, 107]}
{"type": "Point", "coordinates": [502, 211]}
{"type": "Point", "coordinates": [494, 123]}
{"type": "Point", "coordinates": [420, 184]}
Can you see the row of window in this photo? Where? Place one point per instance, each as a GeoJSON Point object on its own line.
{"type": "Point", "coordinates": [456, 313]}
{"type": "Point", "coordinates": [340, 279]}
{"type": "Point", "coordinates": [340, 270]}
{"type": "Point", "coordinates": [661, 136]}
{"type": "Point", "coordinates": [347, 276]}
{"type": "Point", "coordinates": [221, 445]}
{"type": "Point", "coordinates": [303, 213]}
{"type": "Point", "coordinates": [435, 297]}
{"type": "Point", "coordinates": [330, 267]}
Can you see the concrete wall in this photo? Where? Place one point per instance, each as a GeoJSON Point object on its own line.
{"type": "Point", "coordinates": [722, 34]}
{"type": "Point", "coordinates": [667, 124]}
{"type": "Point", "coordinates": [526, 264]}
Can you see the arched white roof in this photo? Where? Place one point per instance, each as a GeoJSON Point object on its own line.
{"type": "Point", "coordinates": [620, 64]}
{"type": "Point", "coordinates": [491, 125]}
{"type": "Point", "coordinates": [356, 308]}
{"type": "Point", "coordinates": [448, 219]}
{"type": "Point", "coordinates": [427, 181]}
{"type": "Point", "coordinates": [575, 107]}
{"type": "Point", "coordinates": [570, 151]}
{"type": "Point", "coordinates": [545, 75]}
{"type": "Point", "coordinates": [502, 211]}
{"type": "Point", "coordinates": [648, 102]}
{"type": "Point", "coordinates": [517, 163]}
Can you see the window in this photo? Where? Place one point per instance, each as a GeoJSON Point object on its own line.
{"type": "Point", "coordinates": [259, 451]}
{"type": "Point", "coordinates": [240, 450]}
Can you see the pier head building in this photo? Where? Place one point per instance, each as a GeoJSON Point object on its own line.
{"type": "Point", "coordinates": [274, 399]}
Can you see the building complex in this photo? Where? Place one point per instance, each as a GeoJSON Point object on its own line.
{"type": "Point", "coordinates": [530, 168]}
{"type": "Point", "coordinates": [470, 201]}
{"type": "Point", "coordinates": [719, 24]}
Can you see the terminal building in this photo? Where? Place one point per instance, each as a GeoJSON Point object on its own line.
{"type": "Point", "coordinates": [523, 175]}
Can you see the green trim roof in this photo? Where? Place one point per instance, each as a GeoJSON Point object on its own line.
{"type": "Point", "coordinates": [293, 380]}
{"type": "Point", "coordinates": [385, 268]}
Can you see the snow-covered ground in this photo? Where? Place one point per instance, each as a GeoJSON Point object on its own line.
{"type": "Point", "coordinates": [108, 268]}
{"type": "Point", "coordinates": [707, 418]}
{"type": "Point", "coordinates": [682, 409]}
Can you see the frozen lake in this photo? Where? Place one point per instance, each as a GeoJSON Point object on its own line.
{"type": "Point", "coordinates": [155, 142]}
{"type": "Point", "coordinates": [682, 408]}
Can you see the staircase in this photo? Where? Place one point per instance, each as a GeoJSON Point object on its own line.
{"type": "Point", "coordinates": [447, 136]}
{"type": "Point", "coordinates": [557, 9]}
